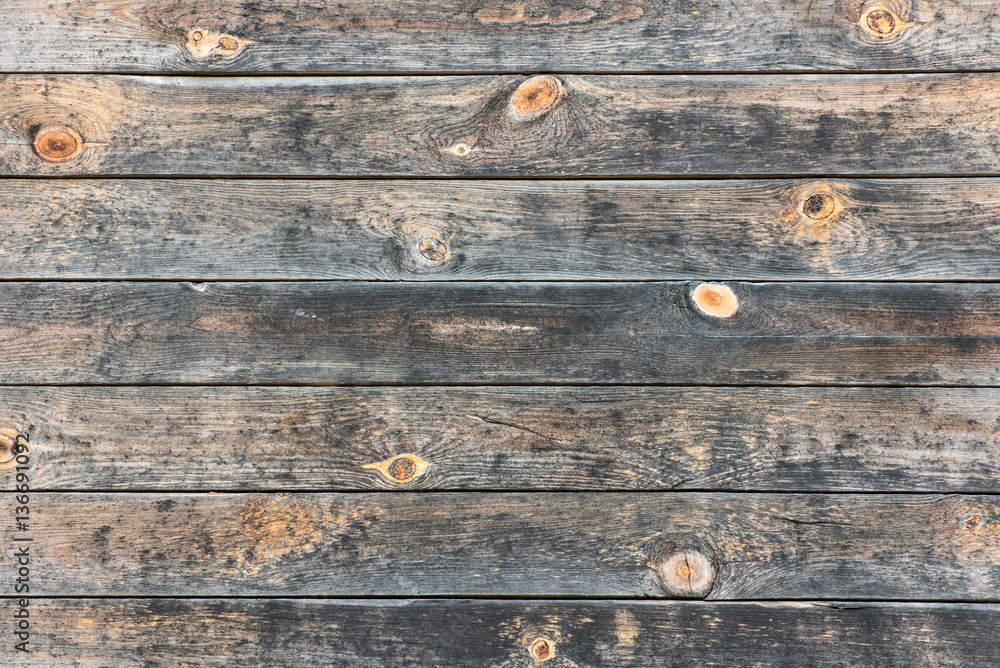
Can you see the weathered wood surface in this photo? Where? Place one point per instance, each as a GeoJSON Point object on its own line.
{"type": "Point", "coordinates": [941, 229]}
{"type": "Point", "coordinates": [598, 544]}
{"type": "Point", "coordinates": [508, 35]}
{"type": "Point", "coordinates": [488, 126]}
{"type": "Point", "coordinates": [599, 634]}
{"type": "Point", "coordinates": [233, 438]}
{"type": "Point", "coordinates": [474, 333]}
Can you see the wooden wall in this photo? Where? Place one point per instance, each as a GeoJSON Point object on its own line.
{"type": "Point", "coordinates": [479, 333]}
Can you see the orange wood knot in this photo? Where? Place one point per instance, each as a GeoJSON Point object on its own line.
{"type": "Point", "coordinates": [433, 250]}
{"type": "Point", "coordinates": [688, 574]}
{"type": "Point", "coordinates": [205, 44]}
{"type": "Point", "coordinates": [974, 522]}
{"type": "Point", "coordinates": [461, 149]}
{"type": "Point", "coordinates": [881, 21]}
{"type": "Point", "coordinates": [819, 206]}
{"type": "Point", "coordinates": [9, 440]}
{"type": "Point", "coordinates": [401, 468]}
{"type": "Point", "coordinates": [542, 649]}
{"type": "Point", "coordinates": [57, 143]}
{"type": "Point", "coordinates": [716, 300]}
{"type": "Point", "coordinates": [536, 97]}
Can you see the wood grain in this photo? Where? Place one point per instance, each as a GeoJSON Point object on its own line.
{"type": "Point", "coordinates": [602, 634]}
{"type": "Point", "coordinates": [467, 126]}
{"type": "Point", "coordinates": [508, 35]}
{"type": "Point", "coordinates": [475, 333]}
{"type": "Point", "coordinates": [939, 229]}
{"type": "Point", "coordinates": [597, 544]}
{"type": "Point", "coordinates": [272, 438]}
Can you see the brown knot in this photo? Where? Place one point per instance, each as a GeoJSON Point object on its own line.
{"type": "Point", "coordinates": [716, 300]}
{"type": "Point", "coordinates": [819, 206]}
{"type": "Point", "coordinates": [881, 22]}
{"type": "Point", "coordinates": [401, 468]}
{"type": "Point", "coordinates": [542, 649]}
{"type": "Point", "coordinates": [536, 97]}
{"type": "Point", "coordinates": [973, 522]}
{"type": "Point", "coordinates": [433, 250]}
{"type": "Point", "coordinates": [57, 143]}
{"type": "Point", "coordinates": [688, 574]}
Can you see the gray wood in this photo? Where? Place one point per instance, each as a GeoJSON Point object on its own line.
{"type": "Point", "coordinates": [226, 438]}
{"type": "Point", "coordinates": [941, 229]}
{"type": "Point", "coordinates": [598, 544]}
{"type": "Point", "coordinates": [603, 634]}
{"type": "Point", "coordinates": [539, 333]}
{"type": "Point", "coordinates": [467, 126]}
{"type": "Point", "coordinates": [467, 35]}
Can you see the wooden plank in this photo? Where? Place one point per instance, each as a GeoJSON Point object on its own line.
{"type": "Point", "coordinates": [598, 544]}
{"type": "Point", "coordinates": [226, 438]}
{"type": "Point", "coordinates": [940, 229]}
{"type": "Point", "coordinates": [468, 35]}
{"type": "Point", "coordinates": [500, 125]}
{"type": "Point", "coordinates": [476, 333]}
{"type": "Point", "coordinates": [609, 634]}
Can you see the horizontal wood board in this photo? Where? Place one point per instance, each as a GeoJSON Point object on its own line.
{"type": "Point", "coordinates": [481, 126]}
{"type": "Point", "coordinates": [509, 438]}
{"type": "Point", "coordinates": [744, 545]}
{"type": "Point", "coordinates": [282, 633]}
{"type": "Point", "coordinates": [873, 229]}
{"type": "Point", "coordinates": [507, 35]}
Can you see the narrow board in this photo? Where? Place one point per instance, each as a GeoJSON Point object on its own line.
{"type": "Point", "coordinates": [501, 125]}
{"type": "Point", "coordinates": [939, 229]}
{"type": "Point", "coordinates": [462, 438]}
{"type": "Point", "coordinates": [476, 333]}
{"type": "Point", "coordinates": [507, 35]}
{"type": "Point", "coordinates": [598, 544]}
{"type": "Point", "coordinates": [284, 633]}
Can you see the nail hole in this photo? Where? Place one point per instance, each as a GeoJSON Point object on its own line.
{"type": "Point", "coordinates": [197, 36]}
{"type": "Point", "coordinates": [542, 649]}
{"type": "Point", "coordinates": [716, 300]}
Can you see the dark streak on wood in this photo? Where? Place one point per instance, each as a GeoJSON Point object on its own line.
{"type": "Point", "coordinates": [508, 438]}
{"type": "Point", "coordinates": [505, 35]}
{"type": "Point", "coordinates": [462, 126]}
{"type": "Point", "coordinates": [425, 230]}
{"type": "Point", "coordinates": [515, 544]}
{"type": "Point", "coordinates": [562, 333]}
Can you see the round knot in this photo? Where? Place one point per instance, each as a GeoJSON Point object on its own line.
{"type": "Point", "coordinates": [819, 206]}
{"type": "Point", "coordinates": [8, 445]}
{"type": "Point", "coordinates": [973, 522]}
{"type": "Point", "coordinates": [542, 649]}
{"type": "Point", "coordinates": [57, 143]}
{"type": "Point", "coordinates": [535, 97]}
{"type": "Point", "coordinates": [433, 250]}
{"type": "Point", "coordinates": [716, 300]}
{"type": "Point", "coordinates": [688, 574]}
{"type": "Point", "coordinates": [880, 21]}
{"type": "Point", "coordinates": [402, 469]}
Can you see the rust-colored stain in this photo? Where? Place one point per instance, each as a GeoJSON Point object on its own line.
{"type": "Point", "coordinates": [716, 300]}
{"type": "Point", "coordinates": [57, 143]}
{"type": "Point", "coordinates": [400, 468]}
{"type": "Point", "coordinates": [536, 97]}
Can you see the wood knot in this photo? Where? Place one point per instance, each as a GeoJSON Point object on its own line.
{"type": "Point", "coordinates": [688, 574]}
{"type": "Point", "coordinates": [9, 440]}
{"type": "Point", "coordinates": [536, 97]}
{"type": "Point", "coordinates": [401, 468]}
{"type": "Point", "coordinates": [433, 250]}
{"type": "Point", "coordinates": [973, 522]}
{"type": "Point", "coordinates": [57, 143]}
{"type": "Point", "coordinates": [819, 206]}
{"type": "Point", "coordinates": [205, 44]}
{"type": "Point", "coordinates": [716, 300]}
{"type": "Point", "coordinates": [542, 649]}
{"type": "Point", "coordinates": [461, 149]}
{"type": "Point", "coordinates": [881, 22]}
